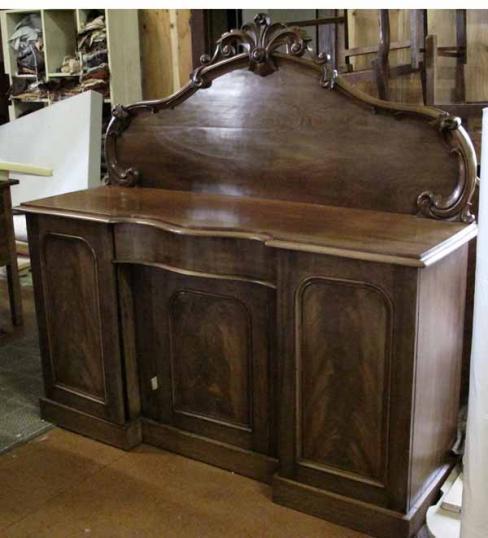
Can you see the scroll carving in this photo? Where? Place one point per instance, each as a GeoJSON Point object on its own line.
{"type": "Point", "coordinates": [456, 205]}
{"type": "Point", "coordinates": [261, 46]}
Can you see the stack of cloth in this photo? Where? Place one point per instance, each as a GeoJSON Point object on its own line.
{"type": "Point", "coordinates": [92, 44]}
{"type": "Point", "coordinates": [70, 66]}
{"type": "Point", "coordinates": [28, 45]}
{"type": "Point", "coordinates": [91, 62]}
{"type": "Point", "coordinates": [24, 89]}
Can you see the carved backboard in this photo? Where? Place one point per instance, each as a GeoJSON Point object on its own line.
{"type": "Point", "coordinates": [265, 118]}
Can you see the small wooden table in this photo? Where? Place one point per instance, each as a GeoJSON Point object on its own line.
{"type": "Point", "coordinates": [8, 256]}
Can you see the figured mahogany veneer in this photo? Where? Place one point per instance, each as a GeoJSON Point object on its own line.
{"type": "Point", "coordinates": [274, 283]}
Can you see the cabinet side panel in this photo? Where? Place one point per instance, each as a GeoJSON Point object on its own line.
{"type": "Point", "coordinates": [437, 378]}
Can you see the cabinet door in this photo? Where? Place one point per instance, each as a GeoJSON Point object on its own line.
{"type": "Point", "coordinates": [348, 347]}
{"type": "Point", "coordinates": [204, 352]}
{"type": "Point", "coordinates": [76, 302]}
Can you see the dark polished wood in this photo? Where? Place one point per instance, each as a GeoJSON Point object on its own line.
{"type": "Point", "coordinates": [216, 355]}
{"type": "Point", "coordinates": [259, 287]}
{"type": "Point", "coordinates": [8, 252]}
{"type": "Point", "coordinates": [77, 315]}
{"type": "Point", "coordinates": [250, 222]}
{"type": "Point", "coordinates": [227, 140]}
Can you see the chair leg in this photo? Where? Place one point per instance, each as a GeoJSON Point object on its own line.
{"type": "Point", "coordinates": [14, 293]}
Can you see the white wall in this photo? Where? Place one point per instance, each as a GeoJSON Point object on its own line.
{"type": "Point", "coordinates": [66, 137]}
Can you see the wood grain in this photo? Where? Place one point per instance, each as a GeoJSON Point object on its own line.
{"type": "Point", "coordinates": [343, 347]}
{"type": "Point", "coordinates": [391, 238]}
{"type": "Point", "coordinates": [224, 140]}
{"type": "Point", "coordinates": [210, 337]}
{"type": "Point", "coordinates": [477, 63]}
{"type": "Point", "coordinates": [266, 298]}
{"type": "Point", "coordinates": [438, 370]}
{"type": "Point", "coordinates": [70, 258]}
{"type": "Point", "coordinates": [210, 345]}
{"type": "Point", "coordinates": [157, 71]}
{"type": "Point", "coordinates": [165, 50]}
{"type": "Point", "coordinates": [76, 303]}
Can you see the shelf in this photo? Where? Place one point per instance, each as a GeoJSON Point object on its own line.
{"type": "Point", "coordinates": [67, 75]}
{"type": "Point", "coordinates": [10, 19]}
{"type": "Point", "coordinates": [43, 100]}
{"type": "Point", "coordinates": [60, 32]}
{"type": "Point", "coordinates": [59, 37]}
{"type": "Point", "coordinates": [82, 15]}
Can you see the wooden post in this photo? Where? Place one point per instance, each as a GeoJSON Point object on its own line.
{"type": "Point", "coordinates": [430, 69]}
{"type": "Point", "coordinates": [417, 35]}
{"type": "Point", "coordinates": [461, 42]}
{"type": "Point", "coordinates": [9, 257]}
{"type": "Point", "coordinates": [327, 37]}
{"type": "Point", "coordinates": [381, 64]}
{"type": "Point", "coordinates": [166, 50]}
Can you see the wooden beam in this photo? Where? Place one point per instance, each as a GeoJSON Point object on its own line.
{"type": "Point", "coordinates": [417, 35]}
{"type": "Point", "coordinates": [381, 64]}
{"type": "Point", "coordinates": [157, 70]}
{"type": "Point", "coordinates": [166, 50]}
{"type": "Point", "coordinates": [361, 51]}
{"type": "Point", "coordinates": [199, 43]}
{"type": "Point", "coordinates": [318, 22]}
{"type": "Point", "coordinates": [369, 75]}
{"type": "Point", "coordinates": [185, 51]}
{"type": "Point", "coordinates": [430, 69]}
{"type": "Point", "coordinates": [327, 37]}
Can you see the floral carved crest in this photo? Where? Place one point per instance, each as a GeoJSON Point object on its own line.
{"type": "Point", "coordinates": [260, 40]}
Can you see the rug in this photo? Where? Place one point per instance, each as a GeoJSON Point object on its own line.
{"type": "Point", "coordinates": [21, 384]}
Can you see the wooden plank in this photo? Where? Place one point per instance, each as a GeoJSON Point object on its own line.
{"type": "Point", "coordinates": [477, 60]}
{"type": "Point", "coordinates": [417, 35]}
{"type": "Point", "coordinates": [185, 63]}
{"type": "Point", "coordinates": [166, 50]}
{"type": "Point", "coordinates": [198, 26]}
{"type": "Point", "coordinates": [381, 64]}
{"type": "Point", "coordinates": [442, 23]}
{"type": "Point", "coordinates": [157, 73]}
{"type": "Point", "coordinates": [363, 30]}
{"type": "Point", "coordinates": [460, 91]}
{"type": "Point", "coordinates": [124, 55]}
{"type": "Point", "coordinates": [364, 34]}
{"type": "Point", "coordinates": [431, 72]}
{"type": "Point", "coordinates": [26, 168]}
{"type": "Point", "coordinates": [327, 35]}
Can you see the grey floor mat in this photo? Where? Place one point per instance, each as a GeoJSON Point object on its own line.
{"type": "Point", "coordinates": [20, 389]}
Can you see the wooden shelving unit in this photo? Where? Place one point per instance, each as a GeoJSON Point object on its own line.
{"type": "Point", "coordinates": [60, 29]}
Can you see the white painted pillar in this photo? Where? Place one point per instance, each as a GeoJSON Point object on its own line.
{"type": "Point", "coordinates": [474, 523]}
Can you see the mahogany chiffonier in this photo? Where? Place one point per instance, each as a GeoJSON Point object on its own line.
{"type": "Point", "coordinates": [273, 282]}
